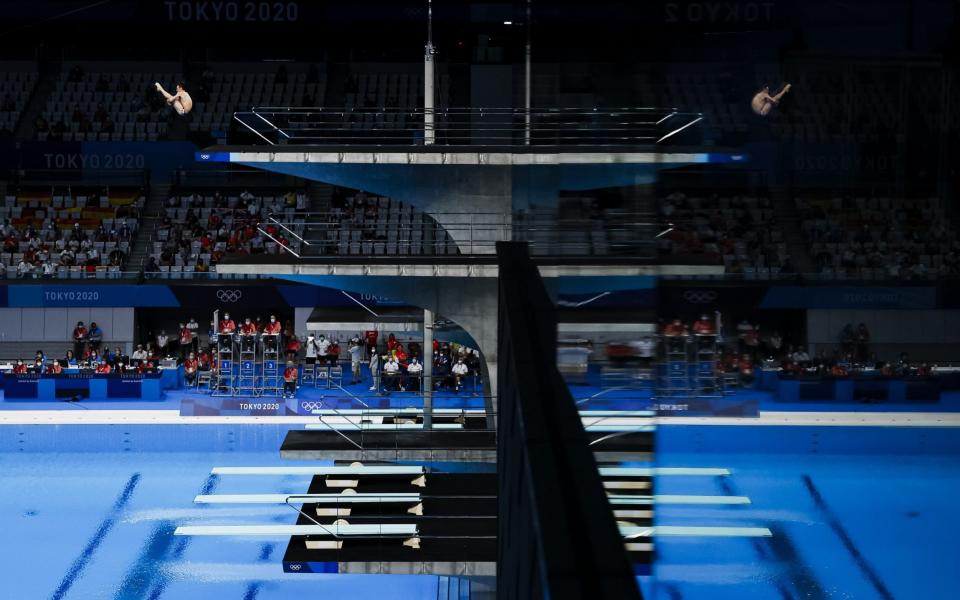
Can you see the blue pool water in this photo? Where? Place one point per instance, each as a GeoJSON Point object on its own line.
{"type": "Point", "coordinates": [88, 512]}
{"type": "Point", "coordinates": [856, 513]}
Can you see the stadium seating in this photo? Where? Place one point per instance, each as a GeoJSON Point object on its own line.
{"type": "Point", "coordinates": [876, 237]}
{"type": "Point", "coordinates": [16, 86]}
{"type": "Point", "coordinates": [201, 227]}
{"type": "Point", "coordinates": [738, 231]}
{"type": "Point", "coordinates": [228, 91]}
{"type": "Point", "coordinates": [137, 112]}
{"type": "Point", "coordinates": [79, 232]}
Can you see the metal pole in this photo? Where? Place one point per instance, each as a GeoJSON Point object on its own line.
{"type": "Point", "coordinates": [526, 117]}
{"type": "Point", "coordinates": [429, 51]}
{"type": "Point", "coordinates": [427, 369]}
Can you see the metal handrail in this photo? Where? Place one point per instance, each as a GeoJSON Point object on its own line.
{"type": "Point", "coordinates": [500, 126]}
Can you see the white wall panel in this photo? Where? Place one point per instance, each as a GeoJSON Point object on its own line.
{"type": "Point", "coordinates": [55, 327]}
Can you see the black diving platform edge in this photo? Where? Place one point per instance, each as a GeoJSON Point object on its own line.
{"type": "Point", "coordinates": [557, 537]}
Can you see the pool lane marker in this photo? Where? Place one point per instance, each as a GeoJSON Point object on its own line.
{"type": "Point", "coordinates": [631, 532]}
{"type": "Point", "coordinates": [105, 526]}
{"type": "Point", "coordinates": [838, 528]}
{"type": "Point", "coordinates": [655, 471]}
{"type": "Point", "coordinates": [630, 499]}
{"type": "Point", "coordinates": [359, 470]}
{"type": "Point", "coordinates": [336, 529]}
{"type": "Point", "coordinates": [376, 498]}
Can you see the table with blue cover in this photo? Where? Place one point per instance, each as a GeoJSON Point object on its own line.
{"type": "Point", "coordinates": [861, 387]}
{"type": "Point", "coordinates": [66, 386]}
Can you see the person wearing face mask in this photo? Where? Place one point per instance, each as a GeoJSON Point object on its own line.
{"type": "Point", "coordinates": [248, 333]}
{"type": "Point", "coordinates": [391, 374]}
{"type": "Point", "coordinates": [79, 338]}
{"type": "Point", "coordinates": [414, 373]}
{"type": "Point", "coordinates": [459, 371]}
{"type": "Point", "coordinates": [310, 353]}
{"type": "Point", "coordinates": [290, 380]}
{"type": "Point", "coordinates": [225, 330]}
{"type": "Point", "coordinates": [323, 345]}
{"type": "Point", "coordinates": [186, 340]}
{"type": "Point", "coordinates": [194, 328]}
{"type": "Point", "coordinates": [356, 355]}
{"type": "Point", "coordinates": [20, 368]}
{"type": "Point", "coordinates": [271, 334]}
{"type": "Point", "coordinates": [190, 366]}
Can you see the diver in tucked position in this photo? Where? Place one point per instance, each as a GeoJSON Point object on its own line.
{"type": "Point", "coordinates": [763, 102]}
{"type": "Point", "coordinates": [181, 101]}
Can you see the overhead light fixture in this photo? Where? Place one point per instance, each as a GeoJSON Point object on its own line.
{"type": "Point", "coordinates": [508, 22]}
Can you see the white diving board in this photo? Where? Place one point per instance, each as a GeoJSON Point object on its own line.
{"type": "Point", "coordinates": [655, 471]}
{"type": "Point", "coordinates": [394, 498]}
{"type": "Point", "coordinates": [632, 532]}
{"type": "Point", "coordinates": [335, 529]}
{"type": "Point", "coordinates": [361, 470]}
{"type": "Point", "coordinates": [628, 500]}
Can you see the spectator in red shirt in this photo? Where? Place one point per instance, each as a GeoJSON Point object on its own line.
{"type": "Point", "coordinates": [103, 368]}
{"type": "Point", "coordinates": [79, 338]}
{"type": "Point", "coordinates": [290, 379]}
{"type": "Point", "coordinates": [676, 328]}
{"type": "Point", "coordinates": [271, 334]}
{"type": "Point", "coordinates": [248, 331]}
{"type": "Point", "coordinates": [293, 348]}
{"type": "Point", "coordinates": [190, 366]}
{"type": "Point", "coordinates": [272, 327]}
{"type": "Point", "coordinates": [186, 340]}
{"type": "Point", "coordinates": [227, 325]}
{"type": "Point", "coordinates": [371, 335]}
{"type": "Point", "coordinates": [333, 353]}
{"type": "Point", "coordinates": [54, 368]}
{"type": "Point", "coordinates": [391, 343]}
{"type": "Point", "coordinates": [225, 330]}
{"type": "Point", "coordinates": [704, 326]}
{"type": "Point", "coordinates": [20, 368]}
{"type": "Point", "coordinates": [675, 332]}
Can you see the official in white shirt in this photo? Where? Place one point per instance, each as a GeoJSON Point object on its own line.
{"type": "Point", "coordinates": [459, 371]}
{"type": "Point", "coordinates": [414, 373]}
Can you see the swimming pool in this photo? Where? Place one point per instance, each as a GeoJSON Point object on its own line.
{"type": "Point", "coordinates": [856, 513]}
{"type": "Point", "coordinates": [88, 512]}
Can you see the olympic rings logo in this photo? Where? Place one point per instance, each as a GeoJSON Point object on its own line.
{"type": "Point", "coordinates": [229, 295]}
{"type": "Point", "coordinates": [696, 297]}
{"type": "Point", "coordinates": [311, 406]}
{"type": "Point", "coordinates": [204, 157]}
{"type": "Point", "coordinates": [296, 567]}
